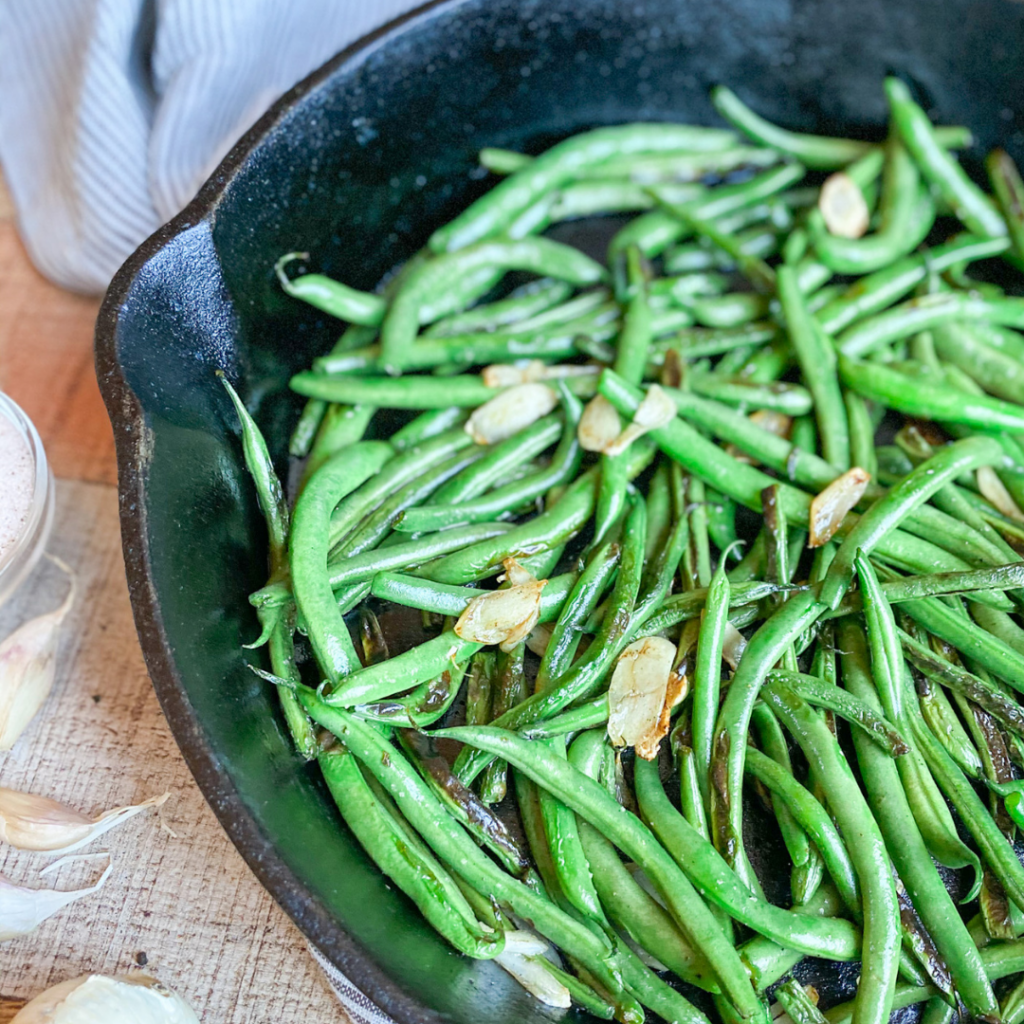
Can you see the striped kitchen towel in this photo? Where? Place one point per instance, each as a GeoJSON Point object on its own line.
{"type": "Point", "coordinates": [113, 112]}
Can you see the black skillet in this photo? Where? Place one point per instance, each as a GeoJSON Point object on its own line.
{"type": "Point", "coordinates": [358, 164]}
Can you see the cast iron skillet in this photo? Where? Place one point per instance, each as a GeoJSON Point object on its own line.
{"type": "Point", "coordinates": [358, 164]}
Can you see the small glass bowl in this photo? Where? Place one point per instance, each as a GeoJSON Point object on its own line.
{"type": "Point", "coordinates": [29, 547]}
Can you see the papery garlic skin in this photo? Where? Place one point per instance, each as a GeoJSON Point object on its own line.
{"type": "Point", "coordinates": [22, 910]}
{"type": "Point", "coordinates": [28, 667]}
{"type": "Point", "coordinates": [30, 822]}
{"type": "Point", "coordinates": [98, 999]}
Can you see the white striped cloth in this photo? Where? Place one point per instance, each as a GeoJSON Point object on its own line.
{"type": "Point", "coordinates": [113, 112]}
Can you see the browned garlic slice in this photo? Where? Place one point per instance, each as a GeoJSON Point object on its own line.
{"type": "Point", "coordinates": [843, 207]}
{"type": "Point", "coordinates": [655, 411]}
{"type": "Point", "coordinates": [599, 425]}
{"type": "Point", "coordinates": [38, 823]}
{"type": "Point", "coordinates": [994, 491]}
{"type": "Point", "coordinates": [98, 999]}
{"type": "Point", "coordinates": [829, 507]}
{"type": "Point", "coordinates": [506, 616]}
{"type": "Point", "coordinates": [505, 375]}
{"type": "Point", "coordinates": [23, 910]}
{"type": "Point", "coordinates": [28, 665]}
{"type": "Point", "coordinates": [522, 957]}
{"type": "Point", "coordinates": [640, 693]}
{"type": "Point", "coordinates": [511, 411]}
{"type": "Point", "coordinates": [734, 643]}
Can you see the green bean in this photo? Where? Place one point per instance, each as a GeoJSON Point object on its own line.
{"type": "Point", "coordinates": [887, 512]}
{"type": "Point", "coordinates": [565, 637]}
{"type": "Point", "coordinates": [763, 650]}
{"type": "Point", "coordinates": [734, 309]}
{"type": "Point", "coordinates": [707, 674]}
{"type": "Point", "coordinates": [760, 275]}
{"type": "Point", "coordinates": [813, 818]}
{"type": "Point", "coordinates": [998, 373]}
{"type": "Point", "coordinates": [405, 860]}
{"type": "Point", "coordinates": [532, 298]}
{"type": "Point", "coordinates": [940, 717]}
{"type": "Point", "coordinates": [984, 648]}
{"type": "Point", "coordinates": [789, 399]}
{"type": "Point", "coordinates": [692, 342]}
{"type": "Point", "coordinates": [269, 492]}
{"type": "Point", "coordinates": [818, 366]}
{"type": "Point", "coordinates": [924, 313]}
{"type": "Point", "coordinates": [405, 393]}
{"type": "Point", "coordinates": [1009, 192]}
{"type": "Point", "coordinates": [492, 213]}
{"type": "Point", "coordinates": [341, 426]}
{"type": "Point", "coordinates": [969, 203]}
{"type": "Point", "coordinates": [867, 851]}
{"type": "Point", "coordinates": [330, 296]}
{"type": "Point", "coordinates": [579, 682]}
{"type": "Point", "coordinates": [820, 693]}
{"type": "Point", "coordinates": [426, 426]}
{"type": "Point", "coordinates": [798, 1004]}
{"type": "Point", "coordinates": [366, 565]}
{"type": "Point", "coordinates": [760, 241]}
{"type": "Point", "coordinates": [835, 939]}
{"type": "Point", "coordinates": [308, 548]}
{"type": "Point", "coordinates": [540, 256]}
{"type": "Point", "coordinates": [1000, 960]}
{"type": "Point", "coordinates": [998, 853]}
{"type": "Point", "coordinates": [589, 800]}
{"type": "Point", "coordinates": [907, 215]}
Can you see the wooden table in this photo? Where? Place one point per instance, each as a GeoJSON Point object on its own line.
{"type": "Point", "coordinates": [180, 899]}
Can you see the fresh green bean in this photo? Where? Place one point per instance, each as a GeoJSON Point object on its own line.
{"type": "Point", "coordinates": [969, 203]}
{"type": "Point", "coordinates": [330, 296]}
{"type": "Point", "coordinates": [1009, 192]}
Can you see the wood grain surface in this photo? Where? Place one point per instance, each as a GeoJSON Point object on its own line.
{"type": "Point", "coordinates": [179, 899]}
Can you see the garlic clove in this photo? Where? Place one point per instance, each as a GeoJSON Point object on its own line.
{"type": "Point", "coordinates": [28, 666]}
{"type": "Point", "coordinates": [511, 411]}
{"type": "Point", "coordinates": [599, 425]}
{"type": "Point", "coordinates": [639, 695]}
{"type": "Point", "coordinates": [98, 999]}
{"type": "Point", "coordinates": [994, 491]}
{"type": "Point", "coordinates": [38, 823]}
{"type": "Point", "coordinates": [734, 643]}
{"type": "Point", "coordinates": [655, 411]}
{"type": "Point", "coordinates": [829, 507]}
{"type": "Point", "coordinates": [843, 207]}
{"type": "Point", "coordinates": [505, 616]}
{"type": "Point", "coordinates": [23, 910]}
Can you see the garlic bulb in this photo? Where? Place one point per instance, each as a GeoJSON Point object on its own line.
{"type": "Point", "coordinates": [22, 910]}
{"type": "Point", "coordinates": [38, 823]}
{"type": "Point", "coordinates": [98, 999]}
{"type": "Point", "coordinates": [28, 665]}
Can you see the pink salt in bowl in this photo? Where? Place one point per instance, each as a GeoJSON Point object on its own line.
{"type": "Point", "coordinates": [26, 497]}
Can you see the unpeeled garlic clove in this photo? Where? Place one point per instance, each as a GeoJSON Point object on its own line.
{"type": "Point", "coordinates": [28, 666]}
{"type": "Point", "coordinates": [98, 999]}
{"type": "Point", "coordinates": [38, 823]}
{"type": "Point", "coordinates": [23, 910]}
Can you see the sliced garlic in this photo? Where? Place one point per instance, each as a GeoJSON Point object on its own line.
{"type": "Point", "coordinates": [777, 423]}
{"type": "Point", "coordinates": [734, 643]}
{"type": "Point", "coordinates": [511, 411]}
{"type": "Point", "coordinates": [539, 638]}
{"type": "Point", "coordinates": [38, 823]}
{"type": "Point", "coordinates": [829, 507]}
{"type": "Point", "coordinates": [637, 695]}
{"type": "Point", "coordinates": [531, 973]}
{"type": "Point", "coordinates": [23, 910]}
{"type": "Point", "coordinates": [28, 666]}
{"type": "Point", "coordinates": [505, 375]}
{"type": "Point", "coordinates": [98, 999]}
{"type": "Point", "coordinates": [599, 425]}
{"type": "Point", "coordinates": [503, 617]}
{"type": "Point", "coordinates": [655, 411]}
{"type": "Point", "coordinates": [994, 491]}
{"type": "Point", "coordinates": [843, 207]}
